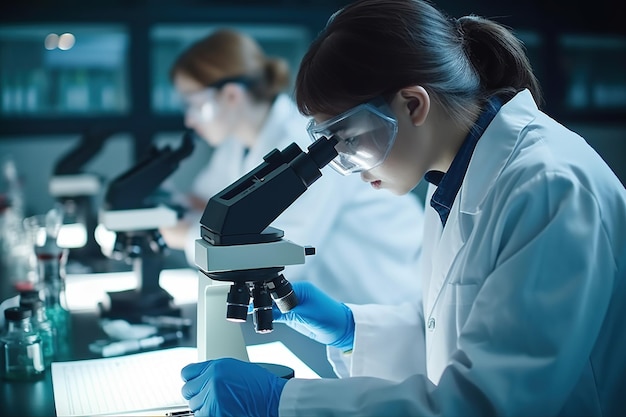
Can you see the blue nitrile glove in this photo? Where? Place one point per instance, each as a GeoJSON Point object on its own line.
{"type": "Point", "coordinates": [230, 387]}
{"type": "Point", "coordinates": [319, 317]}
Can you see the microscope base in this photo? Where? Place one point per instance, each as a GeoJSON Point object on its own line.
{"type": "Point", "coordinates": [132, 305]}
{"type": "Point", "coordinates": [281, 371]}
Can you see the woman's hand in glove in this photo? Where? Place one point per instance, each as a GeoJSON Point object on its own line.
{"type": "Point", "coordinates": [319, 317]}
{"type": "Point", "coordinates": [230, 387]}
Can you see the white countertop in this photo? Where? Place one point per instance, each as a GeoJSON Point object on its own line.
{"type": "Point", "coordinates": [85, 291]}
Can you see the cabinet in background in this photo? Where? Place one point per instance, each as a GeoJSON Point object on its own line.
{"type": "Point", "coordinates": [55, 69]}
{"type": "Point", "coordinates": [594, 68]}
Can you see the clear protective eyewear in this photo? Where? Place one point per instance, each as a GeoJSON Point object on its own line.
{"type": "Point", "coordinates": [200, 105]}
{"type": "Point", "coordinates": [365, 135]}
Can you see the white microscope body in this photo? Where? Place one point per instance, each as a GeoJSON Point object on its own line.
{"type": "Point", "coordinates": [238, 246]}
{"type": "Point", "coordinates": [216, 336]}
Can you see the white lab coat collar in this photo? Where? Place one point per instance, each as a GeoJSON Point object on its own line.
{"type": "Point", "coordinates": [276, 118]}
{"type": "Point", "coordinates": [273, 128]}
{"type": "Point", "coordinates": [494, 149]}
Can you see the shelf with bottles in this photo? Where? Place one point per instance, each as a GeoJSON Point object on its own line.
{"type": "Point", "coordinates": [594, 70]}
{"type": "Point", "coordinates": [168, 40]}
{"type": "Point", "coordinates": [63, 70]}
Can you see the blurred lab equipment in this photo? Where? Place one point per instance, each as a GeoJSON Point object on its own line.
{"type": "Point", "coordinates": [168, 322]}
{"type": "Point", "coordinates": [76, 190]}
{"type": "Point", "coordinates": [22, 353]}
{"type": "Point", "coordinates": [51, 262]}
{"type": "Point", "coordinates": [134, 211]}
{"type": "Point", "coordinates": [43, 326]}
{"type": "Point", "coordinates": [17, 264]}
{"type": "Point", "coordinates": [125, 338]}
{"type": "Point", "coordinates": [237, 244]}
{"type": "Point", "coordinates": [119, 329]}
{"type": "Point", "coordinates": [11, 186]}
{"type": "Point", "coordinates": [125, 347]}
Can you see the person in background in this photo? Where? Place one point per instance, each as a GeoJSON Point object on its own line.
{"type": "Point", "coordinates": [524, 266]}
{"type": "Point", "coordinates": [368, 245]}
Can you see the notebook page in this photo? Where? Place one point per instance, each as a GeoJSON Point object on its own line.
{"type": "Point", "coordinates": [140, 382]}
{"type": "Point", "coordinates": [143, 384]}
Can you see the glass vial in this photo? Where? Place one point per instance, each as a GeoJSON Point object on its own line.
{"type": "Point", "coordinates": [50, 261]}
{"type": "Point", "coordinates": [22, 353]}
{"type": "Point", "coordinates": [43, 326]}
{"type": "Point", "coordinates": [51, 267]}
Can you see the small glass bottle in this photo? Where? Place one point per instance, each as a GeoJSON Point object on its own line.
{"type": "Point", "coordinates": [44, 327]}
{"type": "Point", "coordinates": [51, 260]}
{"type": "Point", "coordinates": [22, 353]}
{"type": "Point", "coordinates": [51, 266]}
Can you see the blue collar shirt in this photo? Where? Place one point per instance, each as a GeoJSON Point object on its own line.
{"type": "Point", "coordinates": [449, 183]}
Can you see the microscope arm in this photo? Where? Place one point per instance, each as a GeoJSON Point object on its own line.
{"type": "Point", "coordinates": [241, 212]}
{"type": "Point", "coordinates": [90, 144]}
{"type": "Point", "coordinates": [130, 190]}
{"type": "Point", "coordinates": [68, 181]}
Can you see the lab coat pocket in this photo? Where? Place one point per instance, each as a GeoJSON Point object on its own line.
{"type": "Point", "coordinates": [460, 300]}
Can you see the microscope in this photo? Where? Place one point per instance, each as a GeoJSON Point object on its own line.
{"type": "Point", "coordinates": [76, 190]}
{"type": "Point", "coordinates": [133, 210]}
{"type": "Point", "coordinates": [241, 256]}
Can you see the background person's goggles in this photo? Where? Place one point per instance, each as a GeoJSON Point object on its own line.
{"type": "Point", "coordinates": [365, 134]}
{"type": "Point", "coordinates": [200, 105]}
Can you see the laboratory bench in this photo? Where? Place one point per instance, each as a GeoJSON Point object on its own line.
{"type": "Point", "coordinates": [37, 398]}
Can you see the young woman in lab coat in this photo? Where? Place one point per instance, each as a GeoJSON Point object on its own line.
{"type": "Point", "coordinates": [525, 244]}
{"type": "Point", "coordinates": [367, 244]}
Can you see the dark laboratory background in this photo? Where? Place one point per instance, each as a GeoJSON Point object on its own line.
{"type": "Point", "coordinates": [112, 86]}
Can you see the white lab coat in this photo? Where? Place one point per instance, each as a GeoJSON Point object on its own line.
{"type": "Point", "coordinates": [367, 242]}
{"type": "Point", "coordinates": [524, 293]}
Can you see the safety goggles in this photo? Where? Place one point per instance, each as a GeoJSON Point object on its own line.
{"type": "Point", "coordinates": [365, 135]}
{"type": "Point", "coordinates": [201, 105]}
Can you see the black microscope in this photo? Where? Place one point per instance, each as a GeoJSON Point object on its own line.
{"type": "Point", "coordinates": [134, 210]}
{"type": "Point", "coordinates": [238, 245]}
{"type": "Point", "coordinates": [76, 190]}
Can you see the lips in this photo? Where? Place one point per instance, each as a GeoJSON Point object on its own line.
{"type": "Point", "coordinates": [376, 184]}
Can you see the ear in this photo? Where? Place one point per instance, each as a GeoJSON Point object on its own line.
{"type": "Point", "coordinates": [232, 93]}
{"type": "Point", "coordinates": [417, 103]}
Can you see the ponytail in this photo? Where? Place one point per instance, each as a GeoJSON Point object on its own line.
{"type": "Point", "coordinates": [373, 48]}
{"type": "Point", "coordinates": [498, 57]}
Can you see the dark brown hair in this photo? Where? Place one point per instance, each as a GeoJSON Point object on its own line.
{"type": "Point", "coordinates": [229, 54]}
{"type": "Point", "coordinates": [374, 48]}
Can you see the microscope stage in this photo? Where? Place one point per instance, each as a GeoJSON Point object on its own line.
{"type": "Point", "coordinates": [283, 252]}
{"type": "Point", "coordinates": [138, 219]}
